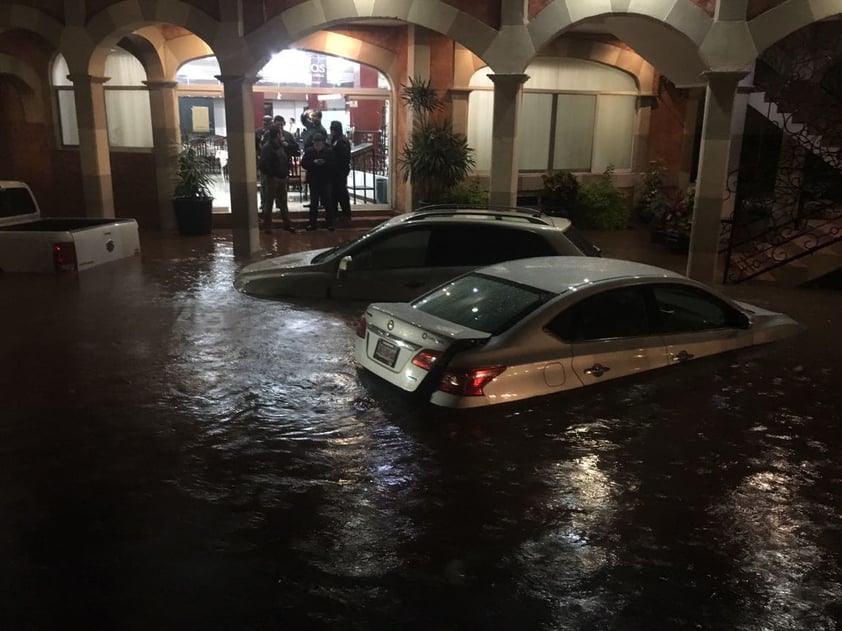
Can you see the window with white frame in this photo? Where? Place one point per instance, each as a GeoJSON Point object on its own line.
{"type": "Point", "coordinates": [127, 110]}
{"type": "Point", "coordinates": [577, 115]}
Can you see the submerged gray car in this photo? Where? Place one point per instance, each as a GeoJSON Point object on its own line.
{"type": "Point", "coordinates": [412, 253]}
{"type": "Point", "coordinates": [539, 326]}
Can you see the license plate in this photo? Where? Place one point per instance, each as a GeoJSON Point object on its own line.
{"type": "Point", "coordinates": [386, 352]}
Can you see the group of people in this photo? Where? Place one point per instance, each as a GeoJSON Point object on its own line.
{"type": "Point", "coordinates": [326, 160]}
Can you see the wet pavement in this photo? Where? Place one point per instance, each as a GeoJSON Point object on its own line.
{"type": "Point", "coordinates": [175, 455]}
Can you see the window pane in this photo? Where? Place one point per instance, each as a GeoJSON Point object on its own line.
{"type": "Point", "coordinates": [482, 303]}
{"type": "Point", "coordinates": [483, 245]}
{"type": "Point", "coordinates": [535, 131]}
{"type": "Point", "coordinates": [580, 75]}
{"type": "Point", "coordinates": [60, 71]}
{"type": "Point", "coordinates": [67, 116]}
{"type": "Point", "coordinates": [574, 132]}
{"type": "Point", "coordinates": [129, 118]}
{"type": "Point", "coordinates": [480, 110]}
{"type": "Point", "coordinates": [407, 249]}
{"type": "Point", "coordinates": [612, 314]}
{"type": "Point", "coordinates": [684, 309]}
{"type": "Point", "coordinates": [123, 69]}
{"type": "Point", "coordinates": [614, 132]}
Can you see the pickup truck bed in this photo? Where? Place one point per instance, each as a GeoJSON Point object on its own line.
{"type": "Point", "coordinates": [59, 225]}
{"type": "Point", "coordinates": [31, 243]}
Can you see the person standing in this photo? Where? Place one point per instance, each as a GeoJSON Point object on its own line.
{"type": "Point", "coordinates": [274, 163]}
{"type": "Point", "coordinates": [341, 148]}
{"type": "Point", "coordinates": [319, 162]}
{"type": "Point", "coordinates": [288, 141]}
{"type": "Point", "coordinates": [259, 137]}
{"type": "Point", "coordinates": [312, 121]}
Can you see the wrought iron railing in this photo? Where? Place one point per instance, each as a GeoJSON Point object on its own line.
{"type": "Point", "coordinates": [788, 190]}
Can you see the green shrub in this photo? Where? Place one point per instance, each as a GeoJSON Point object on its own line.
{"type": "Point", "coordinates": [468, 192]}
{"type": "Point", "coordinates": [650, 196]}
{"type": "Point", "coordinates": [561, 193]}
{"type": "Point", "coordinates": [602, 206]}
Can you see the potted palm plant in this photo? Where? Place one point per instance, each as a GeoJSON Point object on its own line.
{"type": "Point", "coordinates": [435, 158]}
{"type": "Point", "coordinates": [193, 199]}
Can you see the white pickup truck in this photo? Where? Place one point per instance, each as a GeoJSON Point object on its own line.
{"type": "Point", "coordinates": [29, 243]}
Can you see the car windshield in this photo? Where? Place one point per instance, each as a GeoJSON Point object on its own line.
{"type": "Point", "coordinates": [482, 302]}
{"type": "Point", "coordinates": [343, 248]}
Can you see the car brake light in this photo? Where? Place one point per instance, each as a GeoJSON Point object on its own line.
{"type": "Point", "coordinates": [362, 326]}
{"type": "Point", "coordinates": [64, 256]}
{"type": "Point", "coordinates": [425, 359]}
{"type": "Point", "coordinates": [469, 382]}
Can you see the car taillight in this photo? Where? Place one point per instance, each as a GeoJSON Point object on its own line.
{"type": "Point", "coordinates": [64, 256]}
{"type": "Point", "coordinates": [362, 325]}
{"type": "Point", "coordinates": [468, 382]}
{"type": "Point", "coordinates": [425, 359]}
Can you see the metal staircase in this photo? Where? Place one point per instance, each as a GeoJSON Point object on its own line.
{"type": "Point", "coordinates": [787, 223]}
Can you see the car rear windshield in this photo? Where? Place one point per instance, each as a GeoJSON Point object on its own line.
{"type": "Point", "coordinates": [482, 302]}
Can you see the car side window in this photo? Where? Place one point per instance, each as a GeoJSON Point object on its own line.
{"type": "Point", "coordinates": [684, 309]}
{"type": "Point", "coordinates": [408, 248]}
{"type": "Point", "coordinates": [476, 245]}
{"type": "Point", "coordinates": [611, 314]}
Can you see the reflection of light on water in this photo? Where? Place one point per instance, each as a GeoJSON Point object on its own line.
{"type": "Point", "coordinates": [556, 565]}
{"type": "Point", "coordinates": [774, 521]}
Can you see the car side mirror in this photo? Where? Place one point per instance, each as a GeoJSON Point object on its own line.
{"type": "Point", "coordinates": [345, 265]}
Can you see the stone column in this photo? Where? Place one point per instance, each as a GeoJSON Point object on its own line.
{"type": "Point", "coordinates": [713, 173]}
{"type": "Point", "coordinates": [94, 154]}
{"type": "Point", "coordinates": [640, 156]}
{"type": "Point", "coordinates": [508, 98]}
{"type": "Point", "coordinates": [459, 101]}
{"type": "Point", "coordinates": [688, 138]}
{"type": "Point", "coordinates": [242, 162]}
{"type": "Point", "coordinates": [163, 104]}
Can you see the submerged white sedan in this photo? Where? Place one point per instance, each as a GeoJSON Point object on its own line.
{"type": "Point", "coordinates": [538, 326]}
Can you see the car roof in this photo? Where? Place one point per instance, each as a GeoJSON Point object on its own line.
{"type": "Point", "coordinates": [511, 215]}
{"type": "Point", "coordinates": [558, 274]}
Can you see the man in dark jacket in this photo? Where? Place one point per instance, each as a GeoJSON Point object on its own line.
{"type": "Point", "coordinates": [319, 163]}
{"type": "Point", "coordinates": [312, 121]}
{"type": "Point", "coordinates": [274, 164]}
{"type": "Point", "coordinates": [341, 148]}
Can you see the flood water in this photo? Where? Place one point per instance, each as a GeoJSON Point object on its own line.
{"type": "Point", "coordinates": [176, 455]}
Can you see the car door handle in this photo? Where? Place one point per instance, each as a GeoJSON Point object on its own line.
{"type": "Point", "coordinates": [683, 356]}
{"type": "Point", "coordinates": [597, 370]}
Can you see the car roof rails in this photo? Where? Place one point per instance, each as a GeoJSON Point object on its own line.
{"type": "Point", "coordinates": [532, 215]}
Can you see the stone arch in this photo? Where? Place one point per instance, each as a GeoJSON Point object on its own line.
{"type": "Point", "coordinates": [608, 54]}
{"type": "Point", "coordinates": [30, 19]}
{"type": "Point", "coordinates": [311, 16]}
{"type": "Point", "coordinates": [775, 24]}
{"type": "Point", "coordinates": [27, 83]}
{"type": "Point", "coordinates": [120, 20]}
{"type": "Point", "coordinates": [354, 49]}
{"type": "Point", "coordinates": [669, 37]}
{"type": "Point", "coordinates": [146, 53]}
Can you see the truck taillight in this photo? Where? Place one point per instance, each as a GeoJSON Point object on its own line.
{"type": "Point", "coordinates": [468, 382]}
{"type": "Point", "coordinates": [64, 256]}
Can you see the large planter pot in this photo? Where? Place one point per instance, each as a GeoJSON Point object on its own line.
{"type": "Point", "coordinates": [194, 216]}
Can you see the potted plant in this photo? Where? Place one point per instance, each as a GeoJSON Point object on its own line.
{"type": "Point", "coordinates": [435, 158]}
{"type": "Point", "coordinates": [192, 199]}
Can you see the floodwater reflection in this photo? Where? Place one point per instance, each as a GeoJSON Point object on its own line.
{"type": "Point", "coordinates": [178, 455]}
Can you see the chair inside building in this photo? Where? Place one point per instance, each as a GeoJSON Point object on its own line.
{"type": "Point", "coordinates": [297, 179]}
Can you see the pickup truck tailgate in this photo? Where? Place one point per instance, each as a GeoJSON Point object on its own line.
{"type": "Point", "coordinates": [106, 243]}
